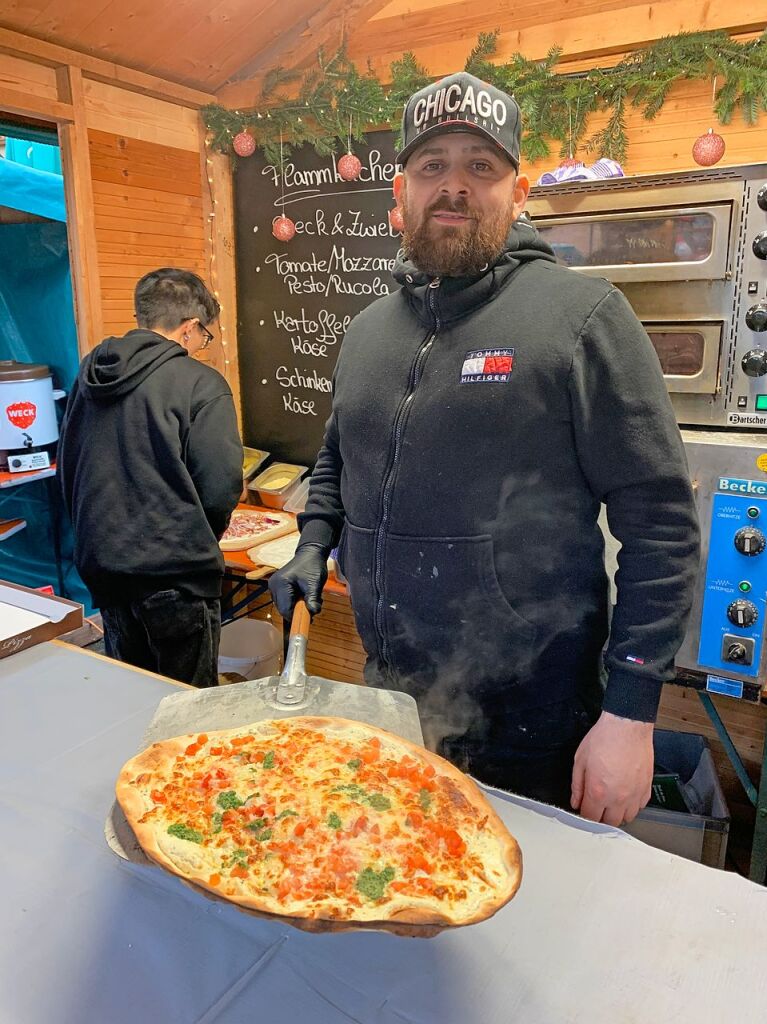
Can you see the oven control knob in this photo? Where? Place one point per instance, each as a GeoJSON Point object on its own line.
{"type": "Point", "coordinates": [756, 317]}
{"type": "Point", "coordinates": [760, 245]}
{"type": "Point", "coordinates": [761, 198]}
{"type": "Point", "coordinates": [754, 363]}
{"type": "Point", "coordinates": [742, 613]}
{"type": "Point", "coordinates": [750, 541]}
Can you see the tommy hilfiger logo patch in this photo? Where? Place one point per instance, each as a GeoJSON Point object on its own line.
{"type": "Point", "coordinates": [487, 365]}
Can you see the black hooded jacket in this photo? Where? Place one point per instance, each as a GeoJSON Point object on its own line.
{"type": "Point", "coordinates": [478, 425]}
{"type": "Point", "coordinates": [150, 463]}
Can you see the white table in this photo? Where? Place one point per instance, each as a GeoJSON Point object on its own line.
{"type": "Point", "coordinates": [604, 930]}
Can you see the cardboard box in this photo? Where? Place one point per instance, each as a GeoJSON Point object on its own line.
{"type": "Point", "coordinates": [28, 617]}
{"type": "Point", "coordinates": [699, 834]}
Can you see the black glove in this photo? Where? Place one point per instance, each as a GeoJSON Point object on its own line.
{"type": "Point", "coordinates": [303, 577]}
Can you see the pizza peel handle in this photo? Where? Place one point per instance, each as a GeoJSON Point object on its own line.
{"type": "Point", "coordinates": [292, 685]}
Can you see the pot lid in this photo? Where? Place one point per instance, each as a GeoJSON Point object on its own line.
{"type": "Point", "coordinates": [11, 370]}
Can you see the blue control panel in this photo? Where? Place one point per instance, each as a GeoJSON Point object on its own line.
{"type": "Point", "coordinates": [735, 596]}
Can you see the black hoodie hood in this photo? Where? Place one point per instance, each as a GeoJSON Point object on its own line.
{"type": "Point", "coordinates": [459, 295]}
{"type": "Point", "coordinates": [118, 365]}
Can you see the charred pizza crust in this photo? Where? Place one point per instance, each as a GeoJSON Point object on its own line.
{"type": "Point", "coordinates": [459, 798]}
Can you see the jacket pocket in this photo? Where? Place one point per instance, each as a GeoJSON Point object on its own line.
{"type": "Point", "coordinates": [356, 558]}
{"type": "Point", "coordinates": [445, 611]}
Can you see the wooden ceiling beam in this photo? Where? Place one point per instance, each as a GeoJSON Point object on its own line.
{"type": "Point", "coordinates": [324, 28]}
{"type": "Point", "coordinates": [41, 52]}
{"type": "Point", "coordinates": [26, 104]}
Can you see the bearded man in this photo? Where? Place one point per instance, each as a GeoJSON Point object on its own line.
{"type": "Point", "coordinates": [482, 414]}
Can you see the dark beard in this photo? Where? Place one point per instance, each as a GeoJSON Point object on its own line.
{"type": "Point", "coordinates": [462, 253]}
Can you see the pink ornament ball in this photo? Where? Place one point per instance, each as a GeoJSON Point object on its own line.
{"type": "Point", "coordinates": [395, 219]}
{"type": "Point", "coordinates": [244, 144]}
{"type": "Point", "coordinates": [283, 228]}
{"type": "Point", "coordinates": [708, 149]}
{"type": "Point", "coordinates": [349, 167]}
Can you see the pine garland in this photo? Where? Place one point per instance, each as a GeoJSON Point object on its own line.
{"type": "Point", "coordinates": [336, 103]}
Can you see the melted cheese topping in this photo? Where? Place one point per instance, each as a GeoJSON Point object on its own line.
{"type": "Point", "coordinates": [320, 822]}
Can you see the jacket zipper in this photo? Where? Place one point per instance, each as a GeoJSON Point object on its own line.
{"type": "Point", "coordinates": [400, 418]}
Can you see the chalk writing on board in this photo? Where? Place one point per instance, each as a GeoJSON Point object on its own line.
{"type": "Point", "coordinates": [375, 168]}
{"type": "Point", "coordinates": [296, 299]}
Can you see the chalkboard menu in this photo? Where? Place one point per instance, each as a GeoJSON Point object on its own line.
{"type": "Point", "coordinates": [295, 299]}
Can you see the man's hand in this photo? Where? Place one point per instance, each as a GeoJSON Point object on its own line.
{"type": "Point", "coordinates": [613, 769]}
{"type": "Point", "coordinates": [303, 577]}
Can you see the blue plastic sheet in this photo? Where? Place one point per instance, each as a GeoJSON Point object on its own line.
{"type": "Point", "coordinates": [34, 154]}
{"type": "Point", "coordinates": [37, 325]}
{"type": "Point", "coordinates": [32, 190]}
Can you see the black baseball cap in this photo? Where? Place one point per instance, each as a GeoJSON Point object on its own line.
{"type": "Point", "coordinates": [461, 103]}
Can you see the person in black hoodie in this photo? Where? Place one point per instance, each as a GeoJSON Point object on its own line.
{"type": "Point", "coordinates": [150, 463]}
{"type": "Point", "coordinates": [482, 414]}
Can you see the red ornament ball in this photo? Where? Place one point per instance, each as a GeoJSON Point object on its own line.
{"type": "Point", "coordinates": [283, 228]}
{"type": "Point", "coordinates": [349, 167]}
{"type": "Point", "coordinates": [708, 149]}
{"type": "Point", "coordinates": [244, 144]}
{"type": "Point", "coordinates": [395, 219]}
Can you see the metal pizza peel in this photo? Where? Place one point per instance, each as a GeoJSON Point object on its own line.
{"type": "Point", "coordinates": [285, 696]}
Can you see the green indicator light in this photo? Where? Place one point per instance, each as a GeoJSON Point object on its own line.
{"type": "Point", "coordinates": [752, 512]}
{"type": "Point", "coordinates": [761, 402]}
{"type": "Point", "coordinates": [744, 586]}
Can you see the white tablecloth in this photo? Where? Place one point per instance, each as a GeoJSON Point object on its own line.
{"type": "Point", "coordinates": [604, 930]}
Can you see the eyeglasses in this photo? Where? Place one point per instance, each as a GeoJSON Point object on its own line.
{"type": "Point", "coordinates": [206, 334]}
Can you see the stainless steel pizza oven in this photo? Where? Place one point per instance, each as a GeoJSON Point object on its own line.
{"type": "Point", "coordinates": [689, 251]}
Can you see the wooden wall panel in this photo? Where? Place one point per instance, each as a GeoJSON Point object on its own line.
{"type": "Point", "coordinates": [148, 212]}
{"type": "Point", "coordinates": [111, 109]}
{"type": "Point", "coordinates": [665, 144]}
{"type": "Point", "coordinates": [37, 79]}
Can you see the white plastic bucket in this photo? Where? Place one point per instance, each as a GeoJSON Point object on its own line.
{"type": "Point", "coordinates": [251, 648]}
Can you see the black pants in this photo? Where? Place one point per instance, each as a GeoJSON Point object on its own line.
{"type": "Point", "coordinates": [172, 633]}
{"type": "Point", "coordinates": [545, 776]}
{"type": "Point", "coordinates": [529, 752]}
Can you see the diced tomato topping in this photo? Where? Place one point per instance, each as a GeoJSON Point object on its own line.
{"type": "Point", "coordinates": [216, 751]}
{"type": "Point", "coordinates": [299, 830]}
{"type": "Point", "coordinates": [429, 771]}
{"type": "Point", "coordinates": [239, 872]}
{"type": "Point", "coordinates": [158, 797]}
{"type": "Point", "coordinates": [417, 862]}
{"type": "Point", "coordinates": [455, 845]}
{"type": "Point", "coordinates": [284, 888]}
{"type": "Point", "coordinates": [202, 738]}
{"type": "Point", "coordinates": [414, 819]}
{"type": "Point", "coordinates": [360, 825]}
{"type": "Point", "coordinates": [399, 886]}
{"type": "Point", "coordinates": [211, 777]}
{"type": "Point", "coordinates": [214, 880]}
{"type": "Point", "coordinates": [191, 749]}
{"type": "Point", "coordinates": [238, 741]}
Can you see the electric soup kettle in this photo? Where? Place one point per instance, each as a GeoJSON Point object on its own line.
{"type": "Point", "coordinates": [28, 425]}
